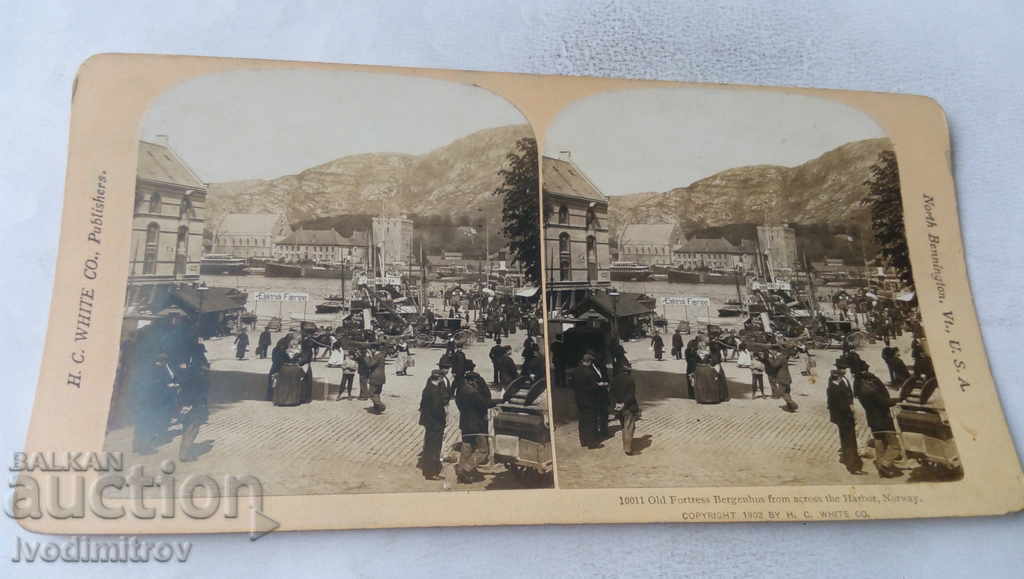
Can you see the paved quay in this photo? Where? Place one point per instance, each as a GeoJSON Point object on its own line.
{"type": "Point", "coordinates": [326, 446]}
{"type": "Point", "coordinates": [745, 441]}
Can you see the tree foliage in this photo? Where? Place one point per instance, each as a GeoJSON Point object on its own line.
{"type": "Point", "coordinates": [520, 210]}
{"type": "Point", "coordinates": [886, 206]}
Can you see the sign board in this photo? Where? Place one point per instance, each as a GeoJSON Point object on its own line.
{"type": "Point", "coordinates": [383, 280]}
{"type": "Point", "coordinates": [766, 286]}
{"type": "Point", "coordinates": [698, 301]}
{"type": "Point", "coordinates": [685, 301]}
{"type": "Point", "coordinates": [281, 297]}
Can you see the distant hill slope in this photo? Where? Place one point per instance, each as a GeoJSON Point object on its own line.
{"type": "Point", "coordinates": [826, 190]}
{"type": "Point", "coordinates": [455, 179]}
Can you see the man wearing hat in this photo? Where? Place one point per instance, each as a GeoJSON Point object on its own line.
{"type": "Point", "coordinates": [375, 364]}
{"type": "Point", "coordinates": [433, 418]}
{"type": "Point", "coordinates": [588, 383]}
{"type": "Point", "coordinates": [875, 400]}
{"type": "Point", "coordinates": [839, 395]}
{"type": "Point", "coordinates": [473, 398]}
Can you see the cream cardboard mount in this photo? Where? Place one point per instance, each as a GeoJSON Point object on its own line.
{"type": "Point", "coordinates": [205, 195]}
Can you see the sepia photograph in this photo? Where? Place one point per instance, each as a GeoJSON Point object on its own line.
{"type": "Point", "coordinates": [730, 296]}
{"type": "Point", "coordinates": [334, 286]}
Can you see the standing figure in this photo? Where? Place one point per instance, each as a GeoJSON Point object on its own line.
{"type": "Point", "coordinates": [757, 374]}
{"type": "Point", "coordinates": [290, 383]}
{"type": "Point", "coordinates": [362, 365]}
{"type": "Point", "coordinates": [677, 344]}
{"type": "Point", "coordinates": [433, 418]}
{"type": "Point", "coordinates": [507, 371]}
{"type": "Point", "coordinates": [375, 364]}
{"type": "Point", "coordinates": [658, 344]}
{"type": "Point", "coordinates": [473, 398]}
{"type": "Point", "coordinates": [153, 396]}
{"type": "Point", "coordinates": [778, 374]}
{"type": "Point", "coordinates": [497, 351]}
{"type": "Point", "coordinates": [875, 400]}
{"type": "Point", "coordinates": [839, 395]}
{"type": "Point", "coordinates": [264, 343]}
{"type": "Point", "coordinates": [241, 344]}
{"type": "Point", "coordinates": [623, 391]}
{"type": "Point", "coordinates": [193, 389]}
{"type": "Point", "coordinates": [277, 359]}
{"type": "Point", "coordinates": [404, 361]}
{"type": "Point", "coordinates": [587, 381]}
{"type": "Point", "coordinates": [348, 375]}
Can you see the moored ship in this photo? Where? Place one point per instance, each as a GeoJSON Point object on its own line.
{"type": "Point", "coordinates": [629, 271]}
{"type": "Point", "coordinates": [222, 264]}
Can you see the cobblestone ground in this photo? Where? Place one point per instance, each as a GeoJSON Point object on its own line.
{"type": "Point", "coordinates": [743, 442]}
{"type": "Point", "coordinates": [322, 447]}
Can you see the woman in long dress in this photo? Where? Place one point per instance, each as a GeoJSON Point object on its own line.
{"type": "Point", "coordinates": [402, 362]}
{"type": "Point", "coordinates": [706, 389]}
{"type": "Point", "coordinates": [290, 382]}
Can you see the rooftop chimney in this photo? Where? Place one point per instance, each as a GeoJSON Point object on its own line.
{"type": "Point", "coordinates": [162, 140]}
{"type": "Point", "coordinates": [565, 155]}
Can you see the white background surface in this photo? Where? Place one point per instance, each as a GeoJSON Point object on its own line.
{"type": "Point", "coordinates": [964, 54]}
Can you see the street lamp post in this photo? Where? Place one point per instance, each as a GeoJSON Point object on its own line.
{"type": "Point", "coordinates": [614, 294]}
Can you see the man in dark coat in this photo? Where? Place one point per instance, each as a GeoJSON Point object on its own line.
{"type": "Point", "coordinates": [875, 400]}
{"type": "Point", "coordinates": [375, 365]}
{"type": "Point", "coordinates": [433, 418]}
{"type": "Point", "coordinates": [618, 355]}
{"type": "Point", "coordinates": [154, 400]}
{"type": "Point", "coordinates": [497, 351]}
{"type": "Point", "coordinates": [264, 343]}
{"type": "Point", "coordinates": [473, 398]}
{"type": "Point", "coordinates": [778, 375]}
{"type": "Point", "coordinates": [507, 371]}
{"type": "Point", "coordinates": [363, 371]}
{"type": "Point", "coordinates": [587, 382]}
{"type": "Point", "coordinates": [677, 345]}
{"type": "Point", "coordinates": [623, 392]}
{"type": "Point", "coordinates": [241, 344]}
{"type": "Point", "coordinates": [659, 346]}
{"type": "Point", "coordinates": [557, 349]}
{"type": "Point", "coordinates": [839, 395]}
{"type": "Point", "coordinates": [193, 389]}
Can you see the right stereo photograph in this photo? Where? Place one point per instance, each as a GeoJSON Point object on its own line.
{"type": "Point", "coordinates": [730, 299]}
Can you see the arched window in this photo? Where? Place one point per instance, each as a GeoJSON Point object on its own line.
{"type": "Point", "coordinates": [563, 215]}
{"type": "Point", "coordinates": [564, 258]}
{"type": "Point", "coordinates": [591, 218]}
{"type": "Point", "coordinates": [155, 203]}
{"type": "Point", "coordinates": [185, 209]}
{"type": "Point", "coordinates": [181, 251]}
{"type": "Point", "coordinates": [591, 258]}
{"type": "Point", "coordinates": [151, 249]}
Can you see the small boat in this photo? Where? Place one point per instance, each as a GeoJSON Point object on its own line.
{"type": "Point", "coordinates": [222, 264]}
{"type": "Point", "coordinates": [629, 271]}
{"type": "Point", "coordinates": [680, 276]}
{"type": "Point", "coordinates": [331, 305]}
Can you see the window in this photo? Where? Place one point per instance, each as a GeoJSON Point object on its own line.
{"type": "Point", "coordinates": [591, 218]}
{"type": "Point", "coordinates": [181, 251]}
{"type": "Point", "coordinates": [563, 215]}
{"type": "Point", "coordinates": [185, 209]}
{"type": "Point", "coordinates": [155, 203]}
{"type": "Point", "coordinates": [591, 258]}
{"type": "Point", "coordinates": [564, 258]}
{"type": "Point", "coordinates": [151, 249]}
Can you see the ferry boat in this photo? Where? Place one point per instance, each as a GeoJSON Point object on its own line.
{"type": "Point", "coordinates": [222, 264]}
{"type": "Point", "coordinates": [676, 275]}
{"type": "Point", "coordinates": [629, 271]}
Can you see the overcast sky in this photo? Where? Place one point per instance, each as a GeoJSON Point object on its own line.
{"type": "Point", "coordinates": [269, 123]}
{"type": "Point", "coordinates": [657, 139]}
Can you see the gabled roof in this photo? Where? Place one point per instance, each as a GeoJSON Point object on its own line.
{"type": "Point", "coordinates": [253, 223]}
{"type": "Point", "coordinates": [565, 178]}
{"type": "Point", "coordinates": [323, 237]}
{"type": "Point", "coordinates": [160, 163]}
{"type": "Point", "coordinates": [702, 245]}
{"type": "Point", "coordinates": [647, 233]}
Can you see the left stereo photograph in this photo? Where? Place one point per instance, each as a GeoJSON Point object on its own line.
{"type": "Point", "coordinates": [333, 286]}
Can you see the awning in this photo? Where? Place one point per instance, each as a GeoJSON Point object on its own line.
{"type": "Point", "coordinates": [527, 292]}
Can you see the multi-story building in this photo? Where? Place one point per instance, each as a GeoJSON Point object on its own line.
{"type": "Point", "coordinates": [647, 243]}
{"type": "Point", "coordinates": [250, 234]}
{"type": "Point", "coordinates": [168, 218]}
{"type": "Point", "coordinates": [717, 253]}
{"type": "Point", "coordinates": [778, 245]}
{"type": "Point", "coordinates": [323, 245]}
{"type": "Point", "coordinates": [392, 238]}
{"type": "Point", "coordinates": [575, 234]}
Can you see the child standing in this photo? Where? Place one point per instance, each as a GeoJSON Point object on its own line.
{"type": "Point", "coordinates": [756, 376]}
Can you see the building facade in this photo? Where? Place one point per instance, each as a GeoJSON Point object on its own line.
{"type": "Point", "coordinates": [647, 243]}
{"type": "Point", "coordinates": [576, 229]}
{"type": "Point", "coordinates": [718, 253]}
{"type": "Point", "coordinates": [323, 245]}
{"type": "Point", "coordinates": [250, 235]}
{"type": "Point", "coordinates": [392, 237]}
{"type": "Point", "coordinates": [168, 219]}
{"type": "Point", "coordinates": [778, 244]}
